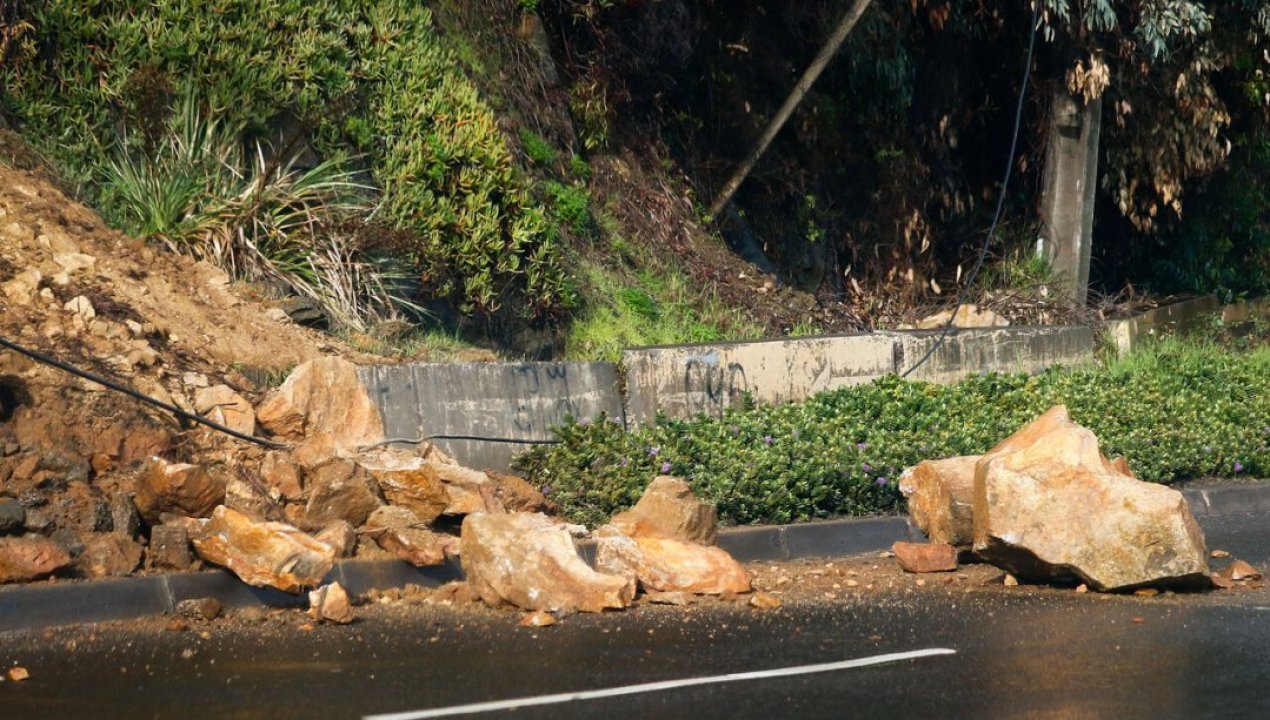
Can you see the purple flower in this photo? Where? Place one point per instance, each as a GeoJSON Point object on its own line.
{"type": "Point", "coordinates": [867, 467]}
{"type": "Point", "coordinates": [665, 468]}
{"type": "Point", "coordinates": [653, 451]}
{"type": "Point", "coordinates": [1239, 467]}
{"type": "Point", "coordinates": [767, 439]}
{"type": "Point", "coordinates": [861, 446]}
{"type": "Point", "coordinates": [584, 421]}
{"type": "Point", "coordinates": [546, 489]}
{"type": "Point", "coordinates": [881, 480]}
{"type": "Point", "coordinates": [626, 461]}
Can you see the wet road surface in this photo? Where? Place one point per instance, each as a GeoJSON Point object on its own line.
{"type": "Point", "coordinates": [1019, 653]}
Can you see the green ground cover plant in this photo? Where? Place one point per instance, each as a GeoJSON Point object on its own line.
{"type": "Point", "coordinates": [1178, 410]}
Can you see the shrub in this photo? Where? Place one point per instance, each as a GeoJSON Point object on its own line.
{"type": "Point", "coordinates": [1176, 412]}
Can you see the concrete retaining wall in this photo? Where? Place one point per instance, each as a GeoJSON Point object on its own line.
{"type": "Point", "coordinates": [684, 381]}
{"type": "Point", "coordinates": [485, 413]}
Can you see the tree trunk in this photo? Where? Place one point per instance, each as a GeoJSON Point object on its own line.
{"type": "Point", "coordinates": [795, 96]}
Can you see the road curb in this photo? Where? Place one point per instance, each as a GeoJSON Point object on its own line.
{"type": "Point", "coordinates": [66, 602]}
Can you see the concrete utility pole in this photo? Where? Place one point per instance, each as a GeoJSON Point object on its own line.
{"type": "Point", "coordinates": [840, 33]}
{"type": "Point", "coordinates": [1067, 194]}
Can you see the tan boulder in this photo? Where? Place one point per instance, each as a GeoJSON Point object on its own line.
{"type": "Point", "coordinates": [178, 488]}
{"type": "Point", "coordinates": [323, 396]}
{"type": "Point", "coordinates": [669, 509]}
{"type": "Point", "coordinates": [663, 564]}
{"type": "Point", "coordinates": [264, 554]}
{"type": "Point", "coordinates": [469, 491]}
{"type": "Point", "coordinates": [23, 559]}
{"type": "Point", "coordinates": [408, 481]}
{"type": "Point", "coordinates": [925, 557]}
{"type": "Point", "coordinates": [220, 404]}
{"type": "Point", "coordinates": [528, 561]}
{"type": "Point", "coordinates": [108, 555]}
{"type": "Point", "coordinates": [340, 490]}
{"type": "Point", "coordinates": [401, 532]}
{"type": "Point", "coordinates": [341, 536]}
{"type": "Point", "coordinates": [940, 495]}
{"type": "Point", "coordinates": [1049, 507]}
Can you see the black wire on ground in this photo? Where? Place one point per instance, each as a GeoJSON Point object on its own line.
{"type": "Point", "coordinates": [40, 357]}
{"type": "Point", "coordinates": [1005, 184]}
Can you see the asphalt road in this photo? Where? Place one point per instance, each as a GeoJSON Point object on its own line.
{"type": "Point", "coordinates": [1019, 653]}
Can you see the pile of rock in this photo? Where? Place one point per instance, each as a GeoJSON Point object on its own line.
{"type": "Point", "coordinates": [1046, 505]}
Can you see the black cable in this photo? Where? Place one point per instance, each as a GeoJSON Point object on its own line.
{"type": "Point", "coordinates": [40, 357]}
{"type": "Point", "coordinates": [1005, 184]}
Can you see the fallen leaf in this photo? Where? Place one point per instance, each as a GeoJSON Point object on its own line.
{"type": "Point", "coordinates": [17, 673]}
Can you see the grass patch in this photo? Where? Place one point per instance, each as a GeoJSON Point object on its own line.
{"type": "Point", "coordinates": [1177, 411]}
{"type": "Point", "coordinates": [647, 308]}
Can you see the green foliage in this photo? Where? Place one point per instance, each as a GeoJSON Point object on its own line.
{"type": "Point", "coordinates": [571, 205]}
{"type": "Point", "coordinates": [1176, 411]}
{"type": "Point", "coordinates": [372, 80]}
{"type": "Point", "coordinates": [537, 148]}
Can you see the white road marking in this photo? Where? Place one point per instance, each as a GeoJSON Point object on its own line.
{"type": "Point", "coordinates": [659, 686]}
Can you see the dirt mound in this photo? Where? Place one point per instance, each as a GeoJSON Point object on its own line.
{"type": "Point", "coordinates": [75, 290]}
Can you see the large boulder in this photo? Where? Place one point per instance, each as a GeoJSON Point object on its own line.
{"type": "Point", "coordinates": [340, 490]}
{"type": "Point", "coordinates": [528, 561]}
{"type": "Point", "coordinates": [1048, 506]}
{"type": "Point", "coordinates": [662, 564]}
{"type": "Point", "coordinates": [178, 488]}
{"type": "Point", "coordinates": [669, 509]}
{"type": "Point", "coordinates": [940, 496]}
{"type": "Point", "coordinates": [323, 396]}
{"type": "Point", "coordinates": [408, 481]}
{"type": "Point", "coordinates": [23, 559]}
{"type": "Point", "coordinates": [264, 554]}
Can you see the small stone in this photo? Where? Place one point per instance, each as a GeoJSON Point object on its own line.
{"type": "Point", "coordinates": [1240, 571]}
{"type": "Point", "coordinates": [108, 555]}
{"type": "Point", "coordinates": [177, 487]}
{"type": "Point", "coordinates": [925, 557]}
{"type": "Point", "coordinates": [330, 603]}
{"type": "Point", "coordinates": [537, 618]}
{"type": "Point", "coordinates": [1082, 588]}
{"type": "Point", "coordinates": [1219, 554]}
{"type": "Point", "coordinates": [17, 673]}
{"type": "Point", "coordinates": [1011, 581]}
{"type": "Point", "coordinates": [764, 601]}
{"type": "Point", "coordinates": [177, 625]}
{"type": "Point", "coordinates": [124, 517]}
{"type": "Point", "coordinates": [1146, 592]}
{"type": "Point", "coordinates": [669, 509]}
{"type": "Point", "coordinates": [204, 608]}
{"type": "Point", "coordinates": [886, 554]}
